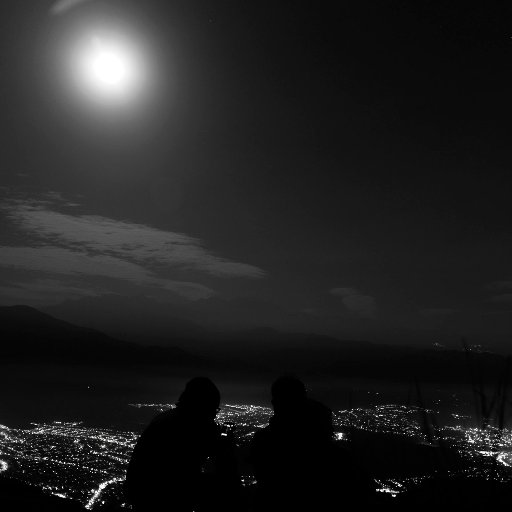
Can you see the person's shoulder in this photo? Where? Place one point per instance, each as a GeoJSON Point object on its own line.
{"type": "Point", "coordinates": [162, 422]}
{"type": "Point", "coordinates": [164, 417]}
{"type": "Point", "coordinates": [264, 436]}
{"type": "Point", "coordinates": [342, 453]}
{"type": "Point", "coordinates": [347, 463]}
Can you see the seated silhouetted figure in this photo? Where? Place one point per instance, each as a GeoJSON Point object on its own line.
{"type": "Point", "coordinates": [297, 464]}
{"type": "Point", "coordinates": [181, 462]}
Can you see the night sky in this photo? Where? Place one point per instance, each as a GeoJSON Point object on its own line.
{"type": "Point", "coordinates": [339, 168]}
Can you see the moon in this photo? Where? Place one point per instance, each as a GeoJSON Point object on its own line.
{"type": "Point", "coordinates": [105, 64]}
{"type": "Point", "coordinates": [108, 69]}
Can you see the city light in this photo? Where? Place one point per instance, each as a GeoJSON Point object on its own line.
{"type": "Point", "coordinates": [88, 464]}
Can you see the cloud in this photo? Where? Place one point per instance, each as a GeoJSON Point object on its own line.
{"type": "Point", "coordinates": [58, 261]}
{"type": "Point", "coordinates": [502, 298]}
{"type": "Point", "coordinates": [63, 6]}
{"type": "Point", "coordinates": [437, 312]}
{"type": "Point", "coordinates": [139, 243]}
{"type": "Point", "coordinates": [356, 302]}
{"type": "Point", "coordinates": [43, 292]}
{"type": "Point", "coordinates": [504, 292]}
{"type": "Point", "coordinates": [344, 292]}
{"type": "Point", "coordinates": [500, 285]}
{"type": "Point", "coordinates": [80, 246]}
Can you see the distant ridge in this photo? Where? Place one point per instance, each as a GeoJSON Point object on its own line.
{"type": "Point", "coordinates": [24, 323]}
{"type": "Point", "coordinates": [28, 334]}
{"type": "Point", "coordinates": [130, 318]}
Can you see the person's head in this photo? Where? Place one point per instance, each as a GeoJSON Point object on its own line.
{"type": "Point", "coordinates": [200, 398]}
{"type": "Point", "coordinates": [288, 394]}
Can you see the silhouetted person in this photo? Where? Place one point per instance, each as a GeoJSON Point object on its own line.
{"type": "Point", "coordinates": [182, 462]}
{"type": "Point", "coordinates": [297, 464]}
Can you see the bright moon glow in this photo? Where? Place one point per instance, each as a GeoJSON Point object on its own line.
{"type": "Point", "coordinates": [108, 70]}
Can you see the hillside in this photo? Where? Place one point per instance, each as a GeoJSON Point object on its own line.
{"type": "Point", "coordinates": [27, 334]}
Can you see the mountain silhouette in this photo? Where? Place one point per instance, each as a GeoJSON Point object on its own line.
{"type": "Point", "coordinates": [27, 334]}
{"type": "Point", "coordinates": [24, 327]}
{"type": "Point", "coordinates": [135, 318]}
{"type": "Point", "coordinates": [140, 318]}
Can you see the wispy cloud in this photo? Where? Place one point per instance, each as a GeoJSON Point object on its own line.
{"type": "Point", "coordinates": [437, 312]}
{"type": "Point", "coordinates": [502, 298]}
{"type": "Point", "coordinates": [63, 6]}
{"type": "Point", "coordinates": [90, 245]}
{"type": "Point", "coordinates": [498, 286]}
{"type": "Point", "coordinates": [343, 292]}
{"type": "Point", "coordinates": [502, 292]}
{"type": "Point", "coordinates": [43, 292]}
{"type": "Point", "coordinates": [52, 261]}
{"type": "Point", "coordinates": [135, 242]}
{"type": "Point", "coordinates": [357, 303]}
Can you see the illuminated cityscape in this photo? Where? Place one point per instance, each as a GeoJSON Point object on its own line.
{"type": "Point", "coordinates": [72, 460]}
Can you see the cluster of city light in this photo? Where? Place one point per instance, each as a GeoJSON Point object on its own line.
{"type": "Point", "coordinates": [387, 419]}
{"type": "Point", "coordinates": [67, 459]}
{"type": "Point", "coordinates": [159, 407]}
{"type": "Point", "coordinates": [488, 451]}
{"type": "Point", "coordinates": [71, 460]}
{"type": "Point", "coordinates": [245, 418]}
{"type": "Point", "coordinates": [96, 495]}
{"type": "Point", "coordinates": [394, 486]}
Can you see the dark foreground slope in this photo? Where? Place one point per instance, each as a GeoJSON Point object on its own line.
{"type": "Point", "coordinates": [19, 497]}
{"type": "Point", "coordinates": [456, 493]}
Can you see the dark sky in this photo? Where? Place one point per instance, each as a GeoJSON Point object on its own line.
{"type": "Point", "coordinates": [338, 167]}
